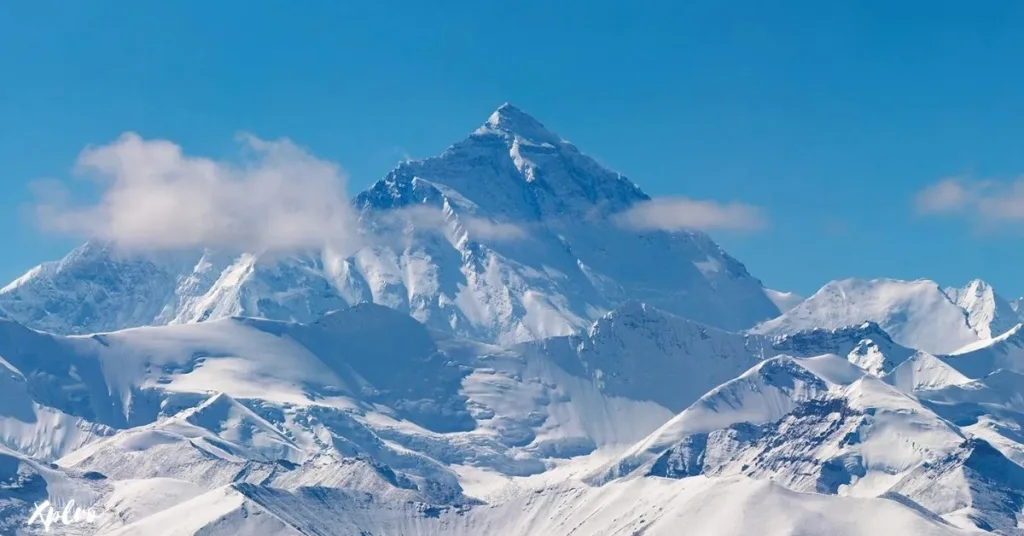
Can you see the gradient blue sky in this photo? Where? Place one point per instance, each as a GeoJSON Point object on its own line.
{"type": "Point", "coordinates": [830, 116]}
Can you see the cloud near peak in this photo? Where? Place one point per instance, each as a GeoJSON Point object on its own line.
{"type": "Point", "coordinates": [679, 213]}
{"type": "Point", "coordinates": [433, 219]}
{"type": "Point", "coordinates": [153, 196]}
{"type": "Point", "coordinates": [275, 198]}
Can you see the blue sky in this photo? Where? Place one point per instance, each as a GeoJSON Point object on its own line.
{"type": "Point", "coordinates": [830, 116]}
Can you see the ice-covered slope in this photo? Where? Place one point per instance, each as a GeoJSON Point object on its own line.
{"type": "Point", "coordinates": [509, 235]}
{"type": "Point", "coordinates": [917, 314]}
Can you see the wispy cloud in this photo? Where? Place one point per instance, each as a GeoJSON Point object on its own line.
{"type": "Point", "coordinates": [678, 213]}
{"type": "Point", "coordinates": [490, 231]}
{"type": "Point", "coordinates": [947, 195]}
{"type": "Point", "coordinates": [432, 219]}
{"type": "Point", "coordinates": [984, 201]}
{"type": "Point", "coordinates": [153, 196]}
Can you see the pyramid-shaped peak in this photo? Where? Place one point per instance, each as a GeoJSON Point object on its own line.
{"type": "Point", "coordinates": [511, 120]}
{"type": "Point", "coordinates": [979, 286]}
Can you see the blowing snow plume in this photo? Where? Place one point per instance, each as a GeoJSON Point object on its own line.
{"type": "Point", "coordinates": [277, 197]}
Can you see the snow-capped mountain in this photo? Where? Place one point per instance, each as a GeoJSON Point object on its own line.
{"type": "Point", "coordinates": [500, 356]}
{"type": "Point", "coordinates": [507, 236]}
{"type": "Point", "coordinates": [822, 425]}
{"type": "Point", "coordinates": [918, 314]}
{"type": "Point", "coordinates": [368, 411]}
{"type": "Point", "coordinates": [868, 346]}
{"type": "Point", "coordinates": [988, 313]}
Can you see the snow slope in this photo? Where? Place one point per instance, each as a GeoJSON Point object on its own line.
{"type": "Point", "coordinates": [728, 507]}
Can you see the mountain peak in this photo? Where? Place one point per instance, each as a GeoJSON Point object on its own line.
{"type": "Point", "coordinates": [511, 120]}
{"type": "Point", "coordinates": [917, 314]}
{"type": "Point", "coordinates": [978, 287]}
{"type": "Point", "coordinates": [987, 312]}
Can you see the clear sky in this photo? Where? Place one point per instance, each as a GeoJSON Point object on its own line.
{"type": "Point", "coordinates": [830, 116]}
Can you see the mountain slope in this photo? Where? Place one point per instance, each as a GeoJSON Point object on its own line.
{"type": "Point", "coordinates": [974, 486]}
{"type": "Point", "coordinates": [817, 425]}
{"type": "Point", "coordinates": [982, 358]}
{"type": "Point", "coordinates": [762, 394]}
{"type": "Point", "coordinates": [706, 507]}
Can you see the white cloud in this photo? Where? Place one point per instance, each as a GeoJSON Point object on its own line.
{"type": "Point", "coordinates": [481, 229]}
{"type": "Point", "coordinates": [432, 219]}
{"type": "Point", "coordinates": [678, 213]}
{"type": "Point", "coordinates": [423, 217]}
{"type": "Point", "coordinates": [1003, 202]}
{"type": "Point", "coordinates": [985, 201]}
{"type": "Point", "coordinates": [277, 198]}
{"type": "Point", "coordinates": [947, 195]}
{"type": "Point", "coordinates": [153, 196]}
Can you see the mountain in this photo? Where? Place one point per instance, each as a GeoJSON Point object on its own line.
{"type": "Point", "coordinates": [917, 314]}
{"type": "Point", "coordinates": [500, 356]}
{"type": "Point", "coordinates": [973, 486]}
{"type": "Point", "coordinates": [510, 235]}
{"type": "Point", "coordinates": [867, 346]}
{"type": "Point", "coordinates": [818, 425]}
{"type": "Point", "coordinates": [1005, 352]}
{"type": "Point", "coordinates": [631, 351]}
{"type": "Point", "coordinates": [925, 372]}
{"type": "Point", "coordinates": [764, 393]}
{"type": "Point", "coordinates": [707, 507]}
{"type": "Point", "coordinates": [364, 407]}
{"type": "Point", "coordinates": [988, 313]}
